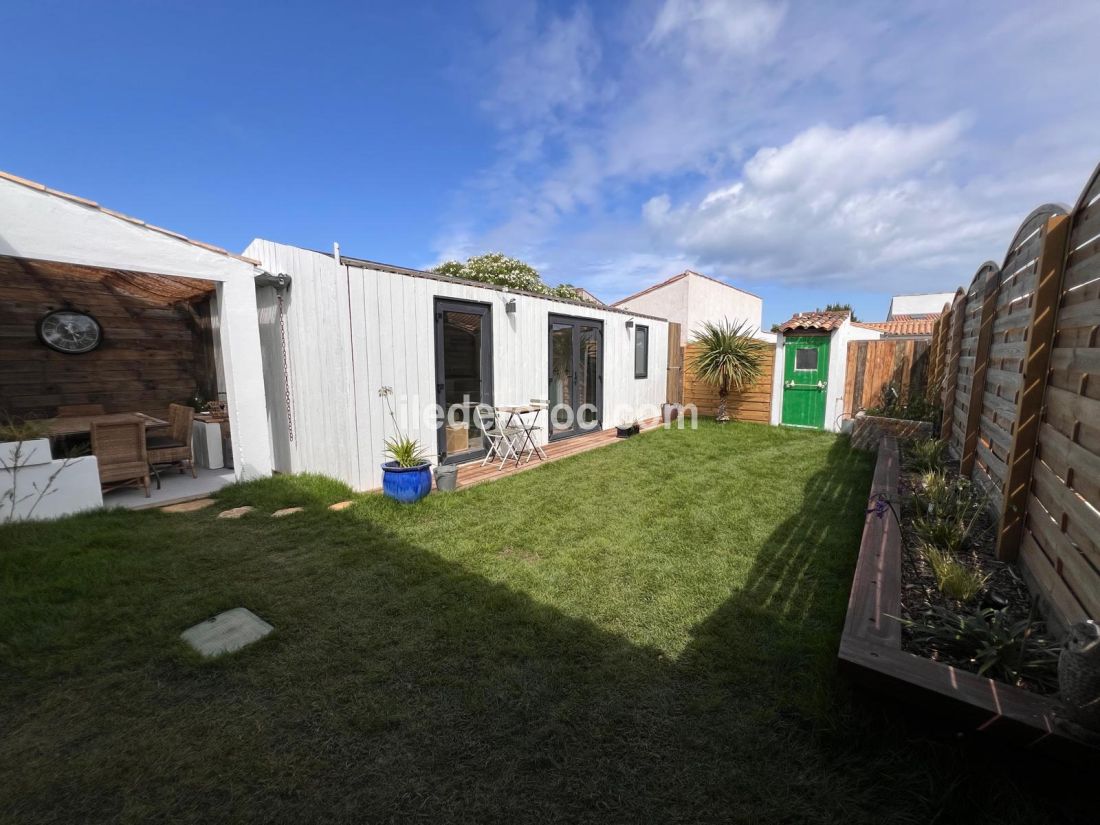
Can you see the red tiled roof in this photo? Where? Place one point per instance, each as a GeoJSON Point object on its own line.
{"type": "Point", "coordinates": [30, 184]}
{"type": "Point", "coordinates": [815, 320]}
{"type": "Point", "coordinates": [902, 325]}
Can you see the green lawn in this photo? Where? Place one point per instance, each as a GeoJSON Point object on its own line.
{"type": "Point", "coordinates": [642, 633]}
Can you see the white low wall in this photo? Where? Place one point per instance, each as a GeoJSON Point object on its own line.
{"type": "Point", "coordinates": [74, 488]}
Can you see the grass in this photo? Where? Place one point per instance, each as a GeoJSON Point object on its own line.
{"type": "Point", "coordinates": [645, 632]}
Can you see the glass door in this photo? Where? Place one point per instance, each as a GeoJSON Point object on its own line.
{"type": "Point", "coordinates": [464, 376]}
{"type": "Point", "coordinates": [576, 376]}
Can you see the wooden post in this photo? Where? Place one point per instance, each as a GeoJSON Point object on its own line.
{"type": "Point", "coordinates": [1029, 406]}
{"type": "Point", "coordinates": [674, 384]}
{"type": "Point", "coordinates": [951, 378]}
{"type": "Point", "coordinates": [977, 379]}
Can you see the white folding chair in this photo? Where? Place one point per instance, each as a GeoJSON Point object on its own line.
{"type": "Point", "coordinates": [502, 439]}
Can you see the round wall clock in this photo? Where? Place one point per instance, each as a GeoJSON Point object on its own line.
{"type": "Point", "coordinates": [70, 331]}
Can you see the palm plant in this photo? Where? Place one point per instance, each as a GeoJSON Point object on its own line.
{"type": "Point", "coordinates": [728, 357]}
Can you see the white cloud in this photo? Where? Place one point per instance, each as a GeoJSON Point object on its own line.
{"type": "Point", "coordinates": [853, 204]}
{"type": "Point", "coordinates": [715, 27]}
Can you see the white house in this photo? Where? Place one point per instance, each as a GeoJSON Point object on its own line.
{"type": "Point", "coordinates": [691, 299]}
{"type": "Point", "coordinates": [811, 358]}
{"type": "Point", "coordinates": [353, 326]}
{"type": "Point", "coordinates": [928, 303]}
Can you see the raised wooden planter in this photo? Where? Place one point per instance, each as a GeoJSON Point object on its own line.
{"type": "Point", "coordinates": [870, 647]}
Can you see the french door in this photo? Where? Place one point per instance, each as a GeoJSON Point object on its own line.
{"type": "Point", "coordinates": [576, 376]}
{"type": "Point", "coordinates": [463, 376]}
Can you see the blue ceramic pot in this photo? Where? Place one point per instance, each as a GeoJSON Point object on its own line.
{"type": "Point", "coordinates": [406, 484]}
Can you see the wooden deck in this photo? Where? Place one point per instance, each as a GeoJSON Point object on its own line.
{"type": "Point", "coordinates": [474, 473]}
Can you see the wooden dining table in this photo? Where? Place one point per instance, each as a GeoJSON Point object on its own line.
{"type": "Point", "coordinates": [82, 424]}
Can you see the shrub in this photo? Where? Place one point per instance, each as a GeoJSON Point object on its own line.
{"type": "Point", "coordinates": [943, 496]}
{"type": "Point", "coordinates": [955, 579]}
{"type": "Point", "coordinates": [945, 533]}
{"type": "Point", "coordinates": [990, 640]}
{"type": "Point", "coordinates": [927, 454]}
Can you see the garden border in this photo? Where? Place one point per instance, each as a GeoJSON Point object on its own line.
{"type": "Point", "coordinates": [870, 646]}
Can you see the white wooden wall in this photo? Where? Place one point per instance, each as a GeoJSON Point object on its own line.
{"type": "Point", "coordinates": [352, 330]}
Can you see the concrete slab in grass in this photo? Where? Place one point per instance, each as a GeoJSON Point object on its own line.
{"type": "Point", "coordinates": [236, 512]}
{"type": "Point", "coordinates": [227, 632]}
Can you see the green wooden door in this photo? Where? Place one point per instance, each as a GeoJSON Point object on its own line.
{"type": "Point", "coordinates": [805, 380]}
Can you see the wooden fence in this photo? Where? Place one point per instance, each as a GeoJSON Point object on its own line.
{"type": "Point", "coordinates": [754, 404]}
{"type": "Point", "coordinates": [877, 369]}
{"type": "Point", "coordinates": [1019, 360]}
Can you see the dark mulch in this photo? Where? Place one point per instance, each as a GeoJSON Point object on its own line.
{"type": "Point", "coordinates": [1005, 587]}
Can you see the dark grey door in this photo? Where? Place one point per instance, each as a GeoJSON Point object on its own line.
{"type": "Point", "coordinates": [463, 375]}
{"type": "Point", "coordinates": [575, 389]}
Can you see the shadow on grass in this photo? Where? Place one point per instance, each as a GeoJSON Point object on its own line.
{"type": "Point", "coordinates": [445, 696]}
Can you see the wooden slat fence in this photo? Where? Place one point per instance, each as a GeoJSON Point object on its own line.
{"type": "Point", "coordinates": [754, 404]}
{"type": "Point", "coordinates": [1022, 398]}
{"type": "Point", "coordinates": [674, 385]}
{"type": "Point", "coordinates": [877, 369]}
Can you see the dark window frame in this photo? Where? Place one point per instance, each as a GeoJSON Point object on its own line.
{"type": "Point", "coordinates": [645, 366]}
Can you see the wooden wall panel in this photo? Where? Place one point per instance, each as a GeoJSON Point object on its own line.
{"type": "Point", "coordinates": [157, 348]}
{"type": "Point", "coordinates": [755, 404]}
{"type": "Point", "coordinates": [876, 366]}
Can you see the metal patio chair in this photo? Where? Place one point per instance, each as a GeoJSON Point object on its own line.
{"type": "Point", "coordinates": [502, 439]}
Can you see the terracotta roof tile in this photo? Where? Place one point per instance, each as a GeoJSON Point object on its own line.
{"type": "Point", "coordinates": [93, 205]}
{"type": "Point", "coordinates": [815, 320]}
{"type": "Point", "coordinates": [902, 325]}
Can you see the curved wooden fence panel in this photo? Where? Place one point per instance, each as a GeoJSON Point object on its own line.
{"type": "Point", "coordinates": [1019, 359]}
{"type": "Point", "coordinates": [754, 404]}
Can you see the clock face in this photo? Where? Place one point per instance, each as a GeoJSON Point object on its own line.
{"type": "Point", "coordinates": [67, 330]}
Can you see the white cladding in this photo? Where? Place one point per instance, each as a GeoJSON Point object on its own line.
{"type": "Point", "coordinates": [351, 330]}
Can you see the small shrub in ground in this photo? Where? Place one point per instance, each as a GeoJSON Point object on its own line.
{"type": "Point", "coordinates": [927, 455]}
{"type": "Point", "coordinates": [23, 429]}
{"type": "Point", "coordinates": [946, 533]}
{"type": "Point", "coordinates": [990, 642]}
{"type": "Point", "coordinates": [941, 495]}
{"type": "Point", "coordinates": [955, 579]}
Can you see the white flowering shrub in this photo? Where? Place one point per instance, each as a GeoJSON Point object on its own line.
{"type": "Point", "coordinates": [497, 268]}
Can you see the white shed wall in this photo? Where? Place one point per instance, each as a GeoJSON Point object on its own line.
{"type": "Point", "coordinates": [352, 330]}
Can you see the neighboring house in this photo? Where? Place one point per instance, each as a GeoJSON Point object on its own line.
{"type": "Point", "coordinates": [903, 326]}
{"type": "Point", "coordinates": [588, 296]}
{"type": "Point", "coordinates": [353, 326]}
{"type": "Point", "coordinates": [811, 358]}
{"type": "Point", "coordinates": [690, 299]}
{"type": "Point", "coordinates": [928, 303]}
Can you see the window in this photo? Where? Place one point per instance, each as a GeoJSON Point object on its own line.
{"type": "Point", "coordinates": [805, 359]}
{"type": "Point", "coordinates": [641, 352]}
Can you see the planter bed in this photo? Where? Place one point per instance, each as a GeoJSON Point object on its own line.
{"type": "Point", "coordinates": [869, 430]}
{"type": "Point", "coordinates": [871, 649]}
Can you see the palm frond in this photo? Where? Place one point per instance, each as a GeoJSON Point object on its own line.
{"type": "Point", "coordinates": [728, 355]}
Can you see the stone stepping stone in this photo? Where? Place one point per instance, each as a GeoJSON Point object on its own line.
{"type": "Point", "coordinates": [188, 506]}
{"type": "Point", "coordinates": [236, 512]}
{"type": "Point", "coordinates": [287, 511]}
{"type": "Point", "coordinates": [340, 505]}
{"type": "Point", "coordinates": [227, 632]}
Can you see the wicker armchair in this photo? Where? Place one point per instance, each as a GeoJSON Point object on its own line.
{"type": "Point", "coordinates": [119, 448]}
{"type": "Point", "coordinates": [174, 448]}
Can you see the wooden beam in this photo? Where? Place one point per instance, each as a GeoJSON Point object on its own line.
{"type": "Point", "coordinates": [1029, 406]}
{"type": "Point", "coordinates": [977, 380]}
{"type": "Point", "coordinates": [951, 379]}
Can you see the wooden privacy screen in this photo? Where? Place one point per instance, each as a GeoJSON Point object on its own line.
{"type": "Point", "coordinates": [675, 383]}
{"type": "Point", "coordinates": [1024, 418]}
{"type": "Point", "coordinates": [754, 404]}
{"type": "Point", "coordinates": [157, 348]}
{"type": "Point", "coordinates": [876, 366]}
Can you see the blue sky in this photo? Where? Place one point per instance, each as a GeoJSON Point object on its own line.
{"type": "Point", "coordinates": [807, 152]}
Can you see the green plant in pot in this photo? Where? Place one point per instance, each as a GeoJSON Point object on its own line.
{"type": "Point", "coordinates": [728, 357]}
{"type": "Point", "coordinates": [407, 477]}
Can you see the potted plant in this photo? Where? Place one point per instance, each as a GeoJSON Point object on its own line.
{"type": "Point", "coordinates": [625, 429]}
{"type": "Point", "coordinates": [729, 357]}
{"type": "Point", "coordinates": [408, 476]}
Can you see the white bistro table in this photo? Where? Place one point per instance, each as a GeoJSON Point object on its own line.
{"type": "Point", "coordinates": [526, 417]}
